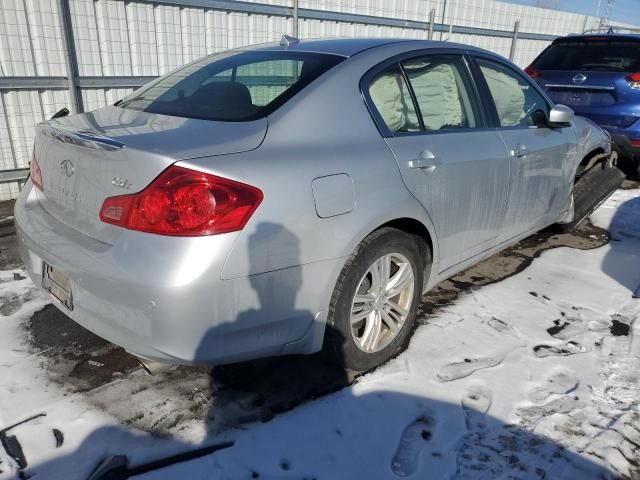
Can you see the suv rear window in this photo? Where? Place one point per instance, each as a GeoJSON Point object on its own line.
{"type": "Point", "coordinates": [231, 86]}
{"type": "Point", "coordinates": [605, 55]}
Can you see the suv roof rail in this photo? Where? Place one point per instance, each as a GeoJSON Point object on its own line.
{"type": "Point", "coordinates": [611, 29]}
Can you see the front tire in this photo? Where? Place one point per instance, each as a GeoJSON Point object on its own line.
{"type": "Point", "coordinates": [374, 303]}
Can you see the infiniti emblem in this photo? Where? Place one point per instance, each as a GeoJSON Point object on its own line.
{"type": "Point", "coordinates": [67, 167]}
{"type": "Point", "coordinates": [579, 78]}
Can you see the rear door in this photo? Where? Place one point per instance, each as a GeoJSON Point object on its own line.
{"type": "Point", "coordinates": [540, 156]}
{"type": "Point", "coordinates": [449, 159]}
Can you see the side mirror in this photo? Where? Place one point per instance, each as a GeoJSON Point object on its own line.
{"type": "Point", "coordinates": [560, 116]}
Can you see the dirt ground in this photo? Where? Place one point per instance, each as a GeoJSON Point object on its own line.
{"type": "Point", "coordinates": [6, 209]}
{"type": "Point", "coordinates": [114, 380]}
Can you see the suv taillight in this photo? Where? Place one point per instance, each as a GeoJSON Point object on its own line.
{"type": "Point", "coordinates": [532, 72]}
{"type": "Point", "coordinates": [184, 202]}
{"type": "Point", "coordinates": [633, 80]}
{"type": "Point", "coordinates": [36, 173]}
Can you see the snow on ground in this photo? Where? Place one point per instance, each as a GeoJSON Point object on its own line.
{"type": "Point", "coordinates": [533, 377]}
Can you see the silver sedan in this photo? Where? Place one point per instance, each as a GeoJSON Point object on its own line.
{"type": "Point", "coordinates": [292, 197]}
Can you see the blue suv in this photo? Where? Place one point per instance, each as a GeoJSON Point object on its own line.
{"type": "Point", "coordinates": [599, 77]}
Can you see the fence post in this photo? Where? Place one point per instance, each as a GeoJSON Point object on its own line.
{"type": "Point", "coordinates": [70, 55]}
{"type": "Point", "coordinates": [295, 18]}
{"type": "Point", "coordinates": [514, 40]}
{"type": "Point", "coordinates": [10, 139]}
{"type": "Point", "coordinates": [432, 18]}
{"type": "Point", "coordinates": [444, 12]}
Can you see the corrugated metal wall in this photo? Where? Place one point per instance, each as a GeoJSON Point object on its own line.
{"type": "Point", "coordinates": [118, 38]}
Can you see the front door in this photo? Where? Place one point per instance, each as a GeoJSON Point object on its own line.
{"type": "Point", "coordinates": [539, 190]}
{"type": "Point", "coordinates": [453, 164]}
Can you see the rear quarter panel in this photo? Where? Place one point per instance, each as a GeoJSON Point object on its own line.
{"type": "Point", "coordinates": [590, 137]}
{"type": "Point", "coordinates": [324, 130]}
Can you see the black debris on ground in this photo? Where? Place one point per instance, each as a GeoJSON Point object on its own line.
{"type": "Point", "coordinates": [58, 435]}
{"type": "Point", "coordinates": [619, 329]}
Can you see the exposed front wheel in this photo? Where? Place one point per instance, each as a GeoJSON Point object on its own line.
{"type": "Point", "coordinates": [374, 303]}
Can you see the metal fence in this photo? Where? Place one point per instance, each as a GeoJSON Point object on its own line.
{"type": "Point", "coordinates": [83, 54]}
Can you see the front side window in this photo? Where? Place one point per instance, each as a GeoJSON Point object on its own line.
{"type": "Point", "coordinates": [517, 102]}
{"type": "Point", "coordinates": [231, 86]}
{"type": "Point", "coordinates": [391, 97]}
{"type": "Point", "coordinates": [441, 92]}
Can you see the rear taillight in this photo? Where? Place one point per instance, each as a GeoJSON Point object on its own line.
{"type": "Point", "coordinates": [532, 72]}
{"type": "Point", "coordinates": [633, 80]}
{"type": "Point", "coordinates": [36, 173]}
{"type": "Point", "coordinates": [635, 143]}
{"type": "Point", "coordinates": [184, 202]}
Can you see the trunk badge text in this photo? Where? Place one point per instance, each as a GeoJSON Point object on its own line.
{"type": "Point", "coordinates": [67, 167]}
{"type": "Point", "coordinates": [121, 182]}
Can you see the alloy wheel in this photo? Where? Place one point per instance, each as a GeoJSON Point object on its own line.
{"type": "Point", "coordinates": [382, 302]}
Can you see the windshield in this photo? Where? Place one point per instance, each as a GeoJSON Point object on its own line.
{"type": "Point", "coordinates": [231, 86]}
{"type": "Point", "coordinates": [594, 55]}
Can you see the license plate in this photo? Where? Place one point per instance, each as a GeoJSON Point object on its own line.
{"type": "Point", "coordinates": [57, 284]}
{"type": "Point", "coordinates": [574, 98]}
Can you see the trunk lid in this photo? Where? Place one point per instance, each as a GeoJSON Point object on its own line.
{"type": "Point", "coordinates": [113, 151]}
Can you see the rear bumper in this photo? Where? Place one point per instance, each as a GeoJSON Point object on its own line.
{"type": "Point", "coordinates": [163, 298]}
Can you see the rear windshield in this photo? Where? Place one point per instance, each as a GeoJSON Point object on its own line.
{"type": "Point", "coordinates": [593, 55]}
{"type": "Point", "coordinates": [231, 86]}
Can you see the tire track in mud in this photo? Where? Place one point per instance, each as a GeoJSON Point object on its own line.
{"type": "Point", "coordinates": [508, 263]}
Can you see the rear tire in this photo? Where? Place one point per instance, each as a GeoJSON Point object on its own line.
{"type": "Point", "coordinates": [386, 273]}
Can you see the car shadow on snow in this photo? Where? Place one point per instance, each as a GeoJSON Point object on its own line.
{"type": "Point", "coordinates": [271, 385]}
{"type": "Point", "coordinates": [623, 259]}
{"type": "Point", "coordinates": [374, 434]}
{"type": "Point", "coordinates": [377, 435]}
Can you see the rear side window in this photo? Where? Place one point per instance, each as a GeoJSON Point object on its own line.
{"type": "Point", "coordinates": [440, 91]}
{"type": "Point", "coordinates": [517, 102]}
{"type": "Point", "coordinates": [231, 86]}
{"type": "Point", "coordinates": [391, 97]}
{"type": "Point", "coordinates": [591, 55]}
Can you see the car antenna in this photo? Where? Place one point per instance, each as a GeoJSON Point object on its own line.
{"type": "Point", "coordinates": [288, 40]}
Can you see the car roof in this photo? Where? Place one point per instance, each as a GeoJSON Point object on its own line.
{"type": "Point", "coordinates": [345, 47]}
{"type": "Point", "coordinates": [601, 36]}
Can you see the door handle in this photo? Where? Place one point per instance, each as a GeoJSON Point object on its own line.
{"type": "Point", "coordinates": [426, 161]}
{"type": "Point", "coordinates": [520, 151]}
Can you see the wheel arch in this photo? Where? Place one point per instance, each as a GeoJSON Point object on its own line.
{"type": "Point", "coordinates": [422, 229]}
{"type": "Point", "coordinates": [414, 227]}
{"type": "Point", "coordinates": [594, 156]}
